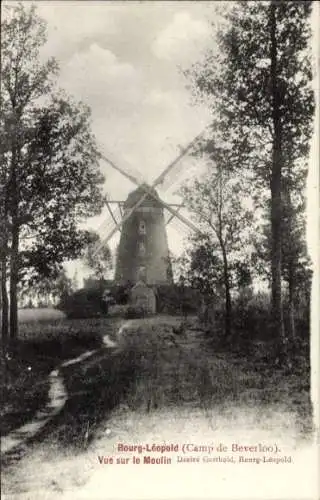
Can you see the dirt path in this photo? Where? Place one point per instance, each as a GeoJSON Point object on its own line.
{"type": "Point", "coordinates": [166, 387]}
{"type": "Point", "coordinates": [57, 398]}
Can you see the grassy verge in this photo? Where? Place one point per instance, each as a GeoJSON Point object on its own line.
{"type": "Point", "coordinates": [42, 347]}
{"type": "Point", "coordinates": [186, 371]}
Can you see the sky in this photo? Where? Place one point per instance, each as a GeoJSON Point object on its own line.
{"type": "Point", "coordinates": [125, 60]}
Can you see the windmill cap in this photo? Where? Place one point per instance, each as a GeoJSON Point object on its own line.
{"type": "Point", "coordinates": [137, 194]}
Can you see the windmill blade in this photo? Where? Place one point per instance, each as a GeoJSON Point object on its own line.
{"type": "Point", "coordinates": [112, 214]}
{"type": "Point", "coordinates": [181, 172]}
{"type": "Point", "coordinates": [180, 227]}
{"type": "Point", "coordinates": [131, 174]}
{"type": "Point", "coordinates": [139, 181]}
{"type": "Point", "coordinates": [106, 225]}
{"type": "Point", "coordinates": [126, 217]}
{"type": "Point", "coordinates": [120, 210]}
{"type": "Point", "coordinates": [183, 219]}
{"type": "Point", "coordinates": [179, 232]}
{"type": "Point", "coordinates": [148, 190]}
{"type": "Point", "coordinates": [173, 216]}
{"type": "Point", "coordinates": [183, 152]}
{"type": "Point", "coordinates": [167, 217]}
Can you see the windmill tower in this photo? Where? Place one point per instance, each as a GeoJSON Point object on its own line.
{"type": "Point", "coordinates": [143, 251]}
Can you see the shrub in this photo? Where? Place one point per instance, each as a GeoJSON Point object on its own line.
{"type": "Point", "coordinates": [118, 311]}
{"type": "Point", "coordinates": [134, 312]}
{"type": "Point", "coordinates": [85, 303]}
{"type": "Point", "coordinates": [121, 293]}
{"type": "Point", "coordinates": [251, 317]}
{"type": "Point", "coordinates": [171, 299]}
{"type": "Point", "coordinates": [251, 320]}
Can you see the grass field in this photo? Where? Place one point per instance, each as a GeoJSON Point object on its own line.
{"type": "Point", "coordinates": [184, 370]}
{"type": "Point", "coordinates": [45, 340]}
{"type": "Point", "coordinates": [39, 315]}
{"type": "Point", "coordinates": [44, 314]}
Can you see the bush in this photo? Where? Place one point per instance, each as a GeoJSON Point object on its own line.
{"type": "Point", "coordinates": [171, 299]}
{"type": "Point", "coordinates": [85, 303]}
{"type": "Point", "coordinates": [251, 320]}
{"type": "Point", "coordinates": [134, 312]}
{"type": "Point", "coordinates": [121, 293]}
{"type": "Point", "coordinates": [118, 311]}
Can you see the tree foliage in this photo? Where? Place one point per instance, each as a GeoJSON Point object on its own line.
{"type": "Point", "coordinates": [49, 164]}
{"type": "Point", "coordinates": [221, 214]}
{"type": "Point", "coordinates": [237, 82]}
{"type": "Point", "coordinates": [258, 85]}
{"type": "Point", "coordinates": [97, 257]}
{"type": "Point", "coordinates": [49, 291]}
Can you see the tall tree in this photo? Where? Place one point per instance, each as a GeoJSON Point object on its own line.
{"type": "Point", "coordinates": [259, 87]}
{"type": "Point", "coordinates": [216, 203]}
{"type": "Point", "coordinates": [295, 263]}
{"type": "Point", "coordinates": [49, 163]}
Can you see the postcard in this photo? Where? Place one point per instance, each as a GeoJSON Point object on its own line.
{"type": "Point", "coordinates": [160, 250]}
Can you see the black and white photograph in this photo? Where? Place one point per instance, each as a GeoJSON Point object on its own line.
{"type": "Point", "coordinates": [159, 250]}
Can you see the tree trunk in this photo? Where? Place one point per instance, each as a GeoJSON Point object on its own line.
{"type": "Point", "coordinates": [4, 297]}
{"type": "Point", "coordinates": [14, 253]}
{"type": "Point", "coordinates": [4, 235]}
{"type": "Point", "coordinates": [14, 271]}
{"type": "Point", "coordinates": [4, 303]}
{"type": "Point", "coordinates": [292, 304]}
{"type": "Point", "coordinates": [226, 278]}
{"type": "Point", "coordinates": [276, 202]}
{"type": "Point", "coordinates": [292, 260]}
{"type": "Point", "coordinates": [228, 307]}
{"type": "Point", "coordinates": [4, 321]}
{"type": "Point", "coordinates": [292, 266]}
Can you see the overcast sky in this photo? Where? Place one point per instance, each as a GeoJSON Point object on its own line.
{"type": "Point", "coordinates": [124, 59]}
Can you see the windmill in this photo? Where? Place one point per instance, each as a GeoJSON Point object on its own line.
{"type": "Point", "coordinates": [143, 252]}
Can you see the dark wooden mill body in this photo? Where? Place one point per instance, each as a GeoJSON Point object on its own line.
{"type": "Point", "coordinates": [143, 252]}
